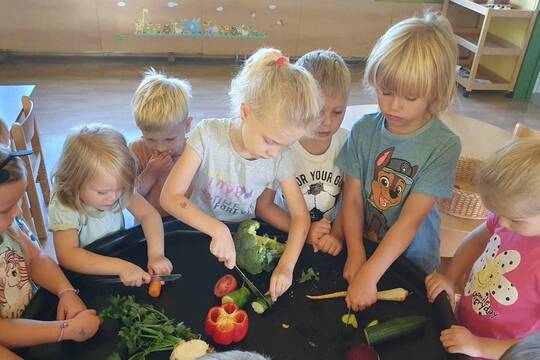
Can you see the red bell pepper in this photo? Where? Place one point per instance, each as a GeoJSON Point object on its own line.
{"type": "Point", "coordinates": [226, 324]}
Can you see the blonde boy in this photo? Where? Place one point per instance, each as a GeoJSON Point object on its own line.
{"type": "Point", "coordinates": [161, 109]}
{"type": "Point", "coordinates": [319, 179]}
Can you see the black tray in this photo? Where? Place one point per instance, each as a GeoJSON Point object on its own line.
{"type": "Point", "coordinates": [315, 331]}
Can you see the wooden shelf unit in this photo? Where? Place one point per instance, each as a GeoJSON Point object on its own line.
{"type": "Point", "coordinates": [487, 40]}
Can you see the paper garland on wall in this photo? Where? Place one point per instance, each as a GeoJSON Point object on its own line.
{"type": "Point", "coordinates": [195, 27]}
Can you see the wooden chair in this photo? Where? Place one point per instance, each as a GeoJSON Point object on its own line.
{"type": "Point", "coordinates": [25, 135]}
{"type": "Point", "coordinates": [521, 131]}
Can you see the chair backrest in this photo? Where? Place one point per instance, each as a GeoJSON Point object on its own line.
{"type": "Point", "coordinates": [522, 131]}
{"type": "Point", "coordinates": [24, 129]}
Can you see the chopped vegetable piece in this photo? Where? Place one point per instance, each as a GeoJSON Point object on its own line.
{"type": "Point", "coordinates": [240, 297]}
{"type": "Point", "coordinates": [350, 319]}
{"type": "Point", "coordinates": [261, 305]}
{"type": "Point", "coordinates": [285, 326]}
{"type": "Point", "coordinates": [394, 328]}
{"type": "Point", "coordinates": [225, 285]}
{"type": "Point", "coordinates": [154, 288]}
{"type": "Point", "coordinates": [226, 324]}
{"type": "Point", "coordinates": [308, 275]}
{"type": "Point", "coordinates": [189, 350]}
{"type": "Point", "coordinates": [362, 352]}
{"type": "Point", "coordinates": [372, 323]}
{"type": "Point", "coordinates": [398, 294]}
{"type": "Point", "coordinates": [255, 253]}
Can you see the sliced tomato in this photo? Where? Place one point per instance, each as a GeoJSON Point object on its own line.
{"type": "Point", "coordinates": [225, 285]}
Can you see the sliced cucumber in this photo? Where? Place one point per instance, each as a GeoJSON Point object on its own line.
{"type": "Point", "coordinates": [261, 305]}
{"type": "Point", "coordinates": [239, 296]}
{"type": "Point", "coordinates": [394, 328]}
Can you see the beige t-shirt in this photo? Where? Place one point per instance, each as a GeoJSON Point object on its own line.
{"type": "Point", "coordinates": [16, 289]}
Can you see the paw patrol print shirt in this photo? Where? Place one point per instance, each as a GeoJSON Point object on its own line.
{"type": "Point", "coordinates": [16, 289]}
{"type": "Point", "coordinates": [502, 296]}
{"type": "Point", "coordinates": [392, 166]}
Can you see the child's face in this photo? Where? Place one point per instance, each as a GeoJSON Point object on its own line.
{"type": "Point", "coordinates": [331, 117]}
{"type": "Point", "coordinates": [264, 141]}
{"type": "Point", "coordinates": [171, 140]}
{"type": "Point", "coordinates": [10, 194]}
{"type": "Point", "coordinates": [529, 226]}
{"type": "Point", "coordinates": [101, 192]}
{"type": "Point", "coordinates": [404, 114]}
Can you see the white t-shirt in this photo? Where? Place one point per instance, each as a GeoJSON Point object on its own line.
{"type": "Point", "coordinates": [226, 186]}
{"type": "Point", "coordinates": [319, 179]}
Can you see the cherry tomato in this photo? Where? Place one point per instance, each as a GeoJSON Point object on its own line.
{"type": "Point", "coordinates": [225, 285]}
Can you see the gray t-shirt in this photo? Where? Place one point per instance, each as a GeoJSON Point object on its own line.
{"type": "Point", "coordinates": [226, 185]}
{"type": "Point", "coordinates": [392, 166]}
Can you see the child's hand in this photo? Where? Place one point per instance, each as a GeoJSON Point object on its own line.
{"type": "Point", "coordinates": [437, 283]}
{"type": "Point", "coordinates": [352, 265]}
{"type": "Point", "coordinates": [330, 244]}
{"type": "Point", "coordinates": [458, 339]}
{"type": "Point", "coordinates": [160, 163]}
{"type": "Point", "coordinates": [159, 265]}
{"type": "Point", "coordinates": [83, 326]}
{"type": "Point", "coordinates": [222, 246]}
{"type": "Point", "coordinates": [362, 292]}
{"type": "Point", "coordinates": [316, 231]}
{"type": "Point", "coordinates": [132, 275]}
{"type": "Point", "coordinates": [69, 305]}
{"type": "Point", "coordinates": [280, 281]}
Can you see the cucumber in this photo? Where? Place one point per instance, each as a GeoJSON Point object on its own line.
{"type": "Point", "coordinates": [260, 305]}
{"type": "Point", "coordinates": [239, 296]}
{"type": "Point", "coordinates": [394, 328]}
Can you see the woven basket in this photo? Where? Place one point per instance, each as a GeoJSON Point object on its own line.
{"type": "Point", "coordinates": [465, 201]}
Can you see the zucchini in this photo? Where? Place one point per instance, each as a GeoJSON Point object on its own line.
{"type": "Point", "coordinates": [394, 328]}
{"type": "Point", "coordinates": [239, 296]}
{"type": "Point", "coordinates": [261, 305]}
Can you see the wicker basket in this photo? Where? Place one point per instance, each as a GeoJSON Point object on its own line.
{"type": "Point", "coordinates": [465, 202]}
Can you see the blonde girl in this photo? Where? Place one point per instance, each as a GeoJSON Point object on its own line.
{"type": "Point", "coordinates": [399, 160]}
{"type": "Point", "coordinates": [94, 181]}
{"type": "Point", "coordinates": [22, 263]}
{"type": "Point", "coordinates": [501, 258]}
{"type": "Point", "coordinates": [231, 161]}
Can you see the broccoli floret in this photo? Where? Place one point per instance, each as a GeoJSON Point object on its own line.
{"type": "Point", "coordinates": [255, 253]}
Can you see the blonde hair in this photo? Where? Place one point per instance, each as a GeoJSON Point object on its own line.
{"type": "Point", "coordinates": [330, 71]}
{"type": "Point", "coordinates": [86, 151]}
{"type": "Point", "coordinates": [17, 172]}
{"type": "Point", "coordinates": [275, 89]}
{"type": "Point", "coordinates": [416, 57]}
{"type": "Point", "coordinates": [509, 181]}
{"type": "Point", "coordinates": [160, 101]}
{"type": "Point", "coordinates": [4, 134]}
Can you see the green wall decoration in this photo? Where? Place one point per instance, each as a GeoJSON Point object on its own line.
{"type": "Point", "coordinates": [530, 67]}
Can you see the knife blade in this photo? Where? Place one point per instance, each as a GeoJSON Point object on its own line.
{"type": "Point", "coordinates": [252, 286]}
{"type": "Point", "coordinates": [116, 279]}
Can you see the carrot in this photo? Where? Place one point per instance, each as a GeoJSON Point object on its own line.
{"type": "Point", "coordinates": [154, 289]}
{"type": "Point", "coordinates": [327, 296]}
{"type": "Point", "coordinates": [398, 294]}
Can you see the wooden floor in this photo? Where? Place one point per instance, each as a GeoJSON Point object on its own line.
{"type": "Point", "coordinates": [71, 91]}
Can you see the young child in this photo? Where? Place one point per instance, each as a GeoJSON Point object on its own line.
{"type": "Point", "coordinates": [501, 300]}
{"type": "Point", "coordinates": [161, 107]}
{"type": "Point", "coordinates": [320, 180]}
{"type": "Point", "coordinates": [400, 160]}
{"type": "Point", "coordinates": [94, 182]}
{"type": "Point", "coordinates": [21, 264]}
{"type": "Point", "coordinates": [231, 161]}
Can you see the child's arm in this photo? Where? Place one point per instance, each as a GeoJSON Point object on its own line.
{"type": "Point", "coordinates": [174, 200]}
{"type": "Point", "coordinates": [46, 273]}
{"type": "Point", "coordinates": [281, 278]}
{"type": "Point", "coordinates": [353, 226]}
{"type": "Point", "coordinates": [270, 212]}
{"type": "Point", "coordinates": [332, 243]}
{"type": "Point", "coordinates": [458, 339]}
{"type": "Point", "coordinates": [73, 258]}
{"type": "Point", "coordinates": [157, 165]}
{"type": "Point", "coordinates": [362, 291]}
{"type": "Point", "coordinates": [468, 251]}
{"type": "Point", "coordinates": [15, 333]}
{"type": "Point", "coordinates": [152, 226]}
{"type": "Point", "coordinates": [6, 354]}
